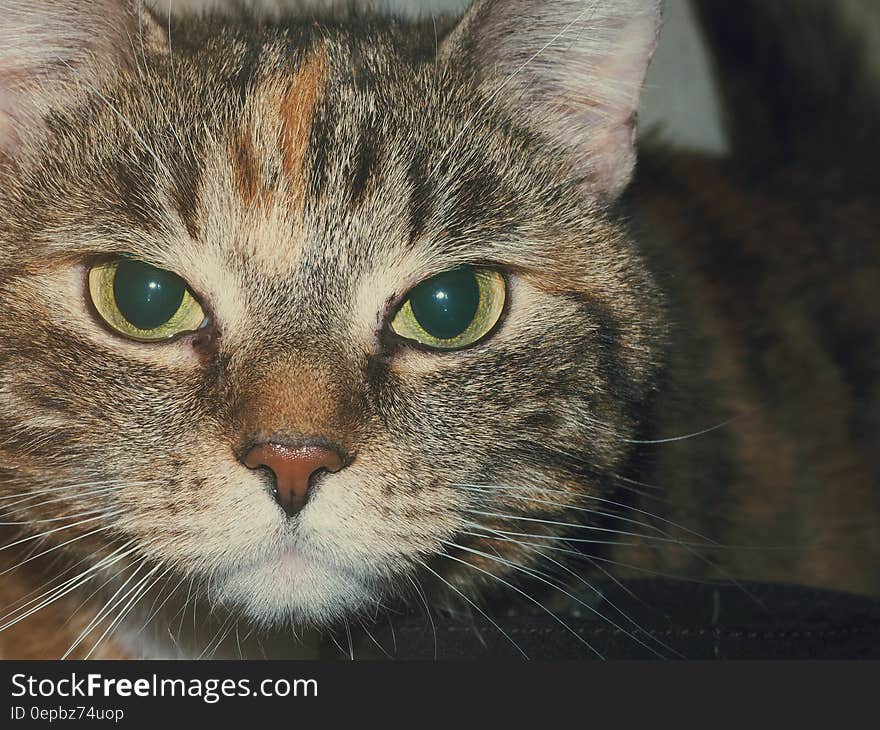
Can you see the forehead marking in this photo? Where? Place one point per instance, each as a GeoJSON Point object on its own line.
{"type": "Point", "coordinates": [278, 132]}
{"type": "Point", "coordinates": [297, 110]}
{"type": "Point", "coordinates": [246, 172]}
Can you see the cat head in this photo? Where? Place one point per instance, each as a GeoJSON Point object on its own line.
{"type": "Point", "coordinates": [303, 310]}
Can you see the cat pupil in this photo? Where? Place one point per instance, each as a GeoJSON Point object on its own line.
{"type": "Point", "coordinates": [446, 305]}
{"type": "Point", "coordinates": [147, 296]}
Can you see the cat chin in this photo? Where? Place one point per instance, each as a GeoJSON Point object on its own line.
{"type": "Point", "coordinates": [295, 590]}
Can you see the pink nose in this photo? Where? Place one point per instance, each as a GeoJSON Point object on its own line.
{"type": "Point", "coordinates": [294, 469]}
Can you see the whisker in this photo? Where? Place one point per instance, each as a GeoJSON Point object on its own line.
{"type": "Point", "coordinates": [56, 547]}
{"type": "Point", "coordinates": [420, 592]}
{"type": "Point", "coordinates": [336, 643]}
{"type": "Point", "coordinates": [608, 428]}
{"type": "Point", "coordinates": [602, 500]}
{"type": "Point", "coordinates": [107, 582]}
{"type": "Point", "coordinates": [544, 578]}
{"type": "Point", "coordinates": [653, 487]}
{"type": "Point", "coordinates": [350, 643]}
{"type": "Point", "coordinates": [109, 605]}
{"type": "Point", "coordinates": [577, 526]}
{"type": "Point", "coordinates": [613, 578]}
{"type": "Point", "coordinates": [127, 609]}
{"type": "Point", "coordinates": [238, 643]}
{"type": "Point", "coordinates": [70, 488]}
{"type": "Point", "coordinates": [49, 520]}
{"type": "Point", "coordinates": [586, 510]}
{"type": "Point", "coordinates": [689, 547]}
{"type": "Point", "coordinates": [685, 437]}
{"type": "Point", "coordinates": [64, 589]}
{"type": "Point", "coordinates": [558, 538]}
{"type": "Point", "coordinates": [530, 598]}
{"type": "Point", "coordinates": [476, 607]}
{"type": "Point", "coordinates": [219, 637]}
{"type": "Point", "coordinates": [182, 612]}
{"type": "Point", "coordinates": [85, 602]}
{"type": "Point", "coordinates": [154, 611]}
{"type": "Point", "coordinates": [59, 529]}
{"type": "Point", "coordinates": [46, 588]}
{"type": "Point", "coordinates": [595, 611]}
{"type": "Point", "coordinates": [643, 570]}
{"type": "Point", "coordinates": [373, 639]}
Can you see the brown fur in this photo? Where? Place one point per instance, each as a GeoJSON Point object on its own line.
{"type": "Point", "coordinates": [247, 173]}
{"type": "Point", "coordinates": [297, 109]}
{"type": "Point", "coordinates": [803, 480]}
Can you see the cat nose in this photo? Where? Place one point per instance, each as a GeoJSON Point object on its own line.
{"type": "Point", "coordinates": [294, 468]}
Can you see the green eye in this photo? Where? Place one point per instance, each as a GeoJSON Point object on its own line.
{"type": "Point", "coordinates": [452, 310]}
{"type": "Point", "coordinates": [143, 302]}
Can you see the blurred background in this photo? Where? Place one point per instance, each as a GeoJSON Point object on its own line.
{"type": "Point", "coordinates": [679, 101]}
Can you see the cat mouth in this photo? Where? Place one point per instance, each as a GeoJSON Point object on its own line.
{"type": "Point", "coordinates": [295, 586]}
{"type": "Point", "coordinates": [294, 558]}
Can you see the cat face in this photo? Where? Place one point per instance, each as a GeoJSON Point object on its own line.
{"type": "Point", "coordinates": [303, 180]}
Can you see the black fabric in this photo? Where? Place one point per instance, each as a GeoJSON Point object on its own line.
{"type": "Point", "coordinates": [677, 621]}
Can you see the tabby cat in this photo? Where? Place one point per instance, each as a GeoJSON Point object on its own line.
{"type": "Point", "coordinates": [303, 317]}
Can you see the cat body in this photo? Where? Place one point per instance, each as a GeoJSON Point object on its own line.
{"type": "Point", "coordinates": [777, 331]}
{"type": "Point", "coordinates": [664, 390]}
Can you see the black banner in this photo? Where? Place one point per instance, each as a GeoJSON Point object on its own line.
{"type": "Point", "coordinates": [130, 694]}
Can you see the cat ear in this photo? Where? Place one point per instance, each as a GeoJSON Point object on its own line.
{"type": "Point", "coordinates": [51, 49]}
{"type": "Point", "coordinates": [575, 68]}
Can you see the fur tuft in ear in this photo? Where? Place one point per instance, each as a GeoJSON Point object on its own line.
{"type": "Point", "coordinates": [574, 67]}
{"type": "Point", "coordinates": [50, 48]}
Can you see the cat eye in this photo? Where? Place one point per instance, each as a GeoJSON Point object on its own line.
{"type": "Point", "coordinates": [452, 310]}
{"type": "Point", "coordinates": [143, 302]}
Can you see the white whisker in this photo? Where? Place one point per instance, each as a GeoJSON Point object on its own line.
{"type": "Point", "coordinates": [476, 607]}
{"type": "Point", "coordinates": [64, 589]}
{"type": "Point", "coordinates": [544, 578]}
{"type": "Point", "coordinates": [539, 551]}
{"type": "Point", "coordinates": [139, 593]}
{"type": "Point", "coordinates": [578, 526]}
{"type": "Point", "coordinates": [58, 529]}
{"type": "Point", "coordinates": [56, 547]}
{"type": "Point", "coordinates": [529, 598]}
{"type": "Point", "coordinates": [109, 605]}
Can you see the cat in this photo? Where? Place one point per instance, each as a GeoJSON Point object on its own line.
{"type": "Point", "coordinates": [307, 315]}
